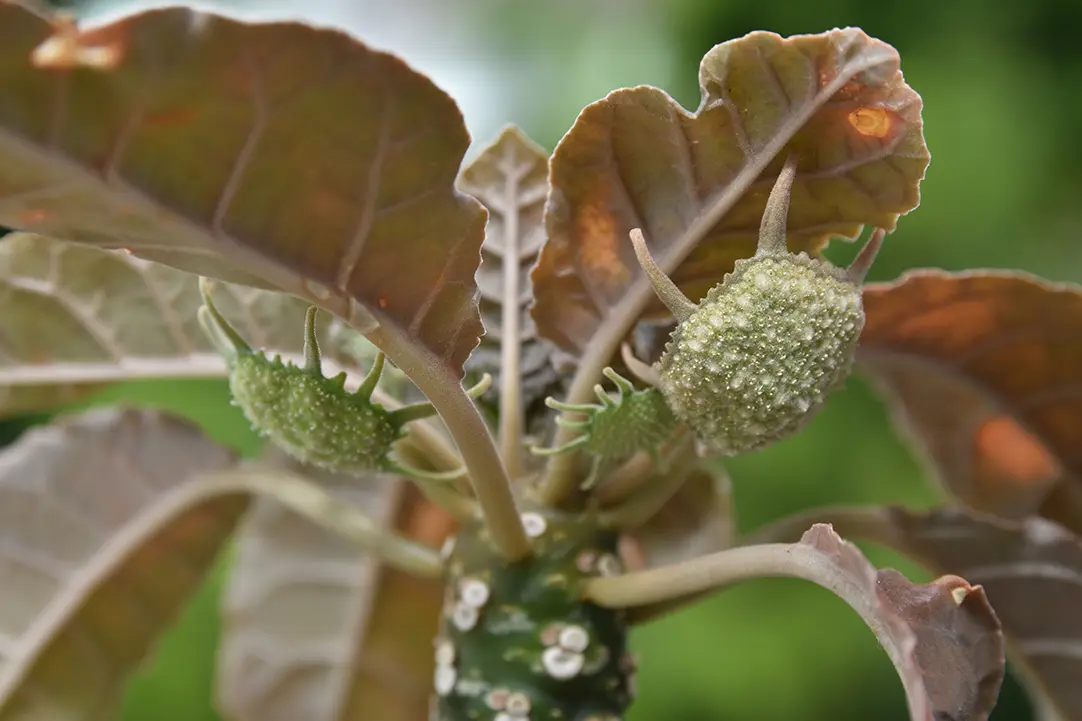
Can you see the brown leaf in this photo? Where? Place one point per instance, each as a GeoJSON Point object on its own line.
{"type": "Point", "coordinates": [276, 154]}
{"type": "Point", "coordinates": [105, 532]}
{"type": "Point", "coordinates": [983, 370]}
{"type": "Point", "coordinates": [697, 520]}
{"type": "Point", "coordinates": [510, 178]}
{"type": "Point", "coordinates": [77, 317]}
{"type": "Point", "coordinates": [314, 628]}
{"type": "Point", "coordinates": [943, 637]}
{"type": "Point", "coordinates": [697, 183]}
{"type": "Point", "coordinates": [1032, 572]}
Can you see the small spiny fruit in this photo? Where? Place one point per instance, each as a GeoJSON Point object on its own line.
{"type": "Point", "coordinates": [311, 417]}
{"type": "Point", "coordinates": [616, 429]}
{"type": "Point", "coordinates": [755, 361]}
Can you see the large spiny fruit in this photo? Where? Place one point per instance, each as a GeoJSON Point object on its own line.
{"type": "Point", "coordinates": [755, 361]}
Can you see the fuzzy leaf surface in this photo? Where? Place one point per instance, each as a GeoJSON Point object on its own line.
{"type": "Point", "coordinates": [105, 531]}
{"type": "Point", "coordinates": [1032, 573]}
{"type": "Point", "coordinates": [510, 178]}
{"type": "Point", "coordinates": [313, 628]}
{"type": "Point", "coordinates": [697, 183]}
{"type": "Point", "coordinates": [984, 371]}
{"type": "Point", "coordinates": [188, 138]}
{"type": "Point", "coordinates": [76, 317]}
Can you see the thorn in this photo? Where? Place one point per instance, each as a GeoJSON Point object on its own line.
{"type": "Point", "coordinates": [666, 290]}
{"type": "Point", "coordinates": [776, 214]}
{"type": "Point", "coordinates": [591, 478]}
{"type": "Point", "coordinates": [622, 384]}
{"type": "Point", "coordinates": [858, 269]}
{"type": "Point", "coordinates": [437, 476]}
{"type": "Point", "coordinates": [540, 451]}
{"type": "Point", "coordinates": [572, 425]}
{"type": "Point", "coordinates": [414, 412]}
{"type": "Point", "coordinates": [639, 369]}
{"type": "Point", "coordinates": [481, 386]}
{"type": "Point", "coordinates": [569, 407]}
{"type": "Point", "coordinates": [371, 380]}
{"type": "Point", "coordinates": [604, 397]}
{"type": "Point", "coordinates": [224, 336]}
{"type": "Point", "coordinates": [311, 345]}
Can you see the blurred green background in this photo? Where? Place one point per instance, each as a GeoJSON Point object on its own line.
{"type": "Point", "coordinates": [1000, 85]}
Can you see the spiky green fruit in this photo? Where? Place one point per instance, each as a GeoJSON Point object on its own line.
{"type": "Point", "coordinates": [763, 351]}
{"type": "Point", "coordinates": [757, 359]}
{"type": "Point", "coordinates": [517, 641]}
{"type": "Point", "coordinates": [312, 417]}
{"type": "Point", "coordinates": [617, 428]}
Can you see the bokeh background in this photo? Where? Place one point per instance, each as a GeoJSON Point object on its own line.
{"type": "Point", "coordinates": [1000, 85]}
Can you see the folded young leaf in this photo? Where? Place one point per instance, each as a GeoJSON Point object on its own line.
{"type": "Point", "coordinates": [300, 638]}
{"type": "Point", "coordinates": [1032, 572]}
{"type": "Point", "coordinates": [983, 370]}
{"type": "Point", "coordinates": [510, 178]}
{"type": "Point", "coordinates": [943, 637]}
{"type": "Point", "coordinates": [696, 184]}
{"type": "Point", "coordinates": [279, 152]}
{"type": "Point", "coordinates": [106, 529]}
{"type": "Point", "coordinates": [77, 317]}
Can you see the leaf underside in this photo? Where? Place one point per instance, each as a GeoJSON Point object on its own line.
{"type": "Point", "coordinates": [1032, 573]}
{"type": "Point", "coordinates": [697, 183]}
{"type": "Point", "coordinates": [77, 317]}
{"type": "Point", "coordinates": [105, 532]}
{"type": "Point", "coordinates": [187, 138]}
{"type": "Point", "coordinates": [983, 370]}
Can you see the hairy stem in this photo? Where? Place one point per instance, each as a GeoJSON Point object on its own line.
{"type": "Point", "coordinates": [308, 499]}
{"type": "Point", "coordinates": [512, 415]}
{"type": "Point", "coordinates": [644, 504]}
{"type": "Point", "coordinates": [469, 432]}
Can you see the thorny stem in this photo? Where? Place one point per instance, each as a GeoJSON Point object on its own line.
{"type": "Point", "coordinates": [512, 415]}
{"type": "Point", "coordinates": [560, 483]}
{"type": "Point", "coordinates": [308, 499]}
{"type": "Point", "coordinates": [644, 504]}
{"type": "Point", "coordinates": [469, 432]}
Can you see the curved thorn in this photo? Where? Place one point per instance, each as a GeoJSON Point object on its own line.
{"type": "Point", "coordinates": [639, 369]}
{"type": "Point", "coordinates": [776, 214]}
{"type": "Point", "coordinates": [572, 425]}
{"type": "Point", "coordinates": [481, 386]}
{"type": "Point", "coordinates": [339, 380]}
{"type": "Point", "coordinates": [622, 384]}
{"type": "Point", "coordinates": [311, 344]}
{"type": "Point", "coordinates": [438, 476]}
{"type": "Point", "coordinates": [858, 269]}
{"type": "Point", "coordinates": [591, 478]}
{"type": "Point", "coordinates": [540, 451]}
{"type": "Point", "coordinates": [413, 412]}
{"type": "Point", "coordinates": [233, 343]}
{"type": "Point", "coordinates": [569, 407]}
{"type": "Point", "coordinates": [371, 380]}
{"type": "Point", "coordinates": [666, 290]}
{"type": "Point", "coordinates": [604, 397]}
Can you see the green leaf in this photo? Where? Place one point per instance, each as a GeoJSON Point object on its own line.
{"type": "Point", "coordinates": [306, 631]}
{"type": "Point", "coordinates": [696, 184]}
{"type": "Point", "coordinates": [983, 370]}
{"type": "Point", "coordinates": [1032, 573]}
{"type": "Point", "coordinates": [106, 529]}
{"type": "Point", "coordinates": [278, 154]}
{"type": "Point", "coordinates": [77, 317]}
{"type": "Point", "coordinates": [510, 178]}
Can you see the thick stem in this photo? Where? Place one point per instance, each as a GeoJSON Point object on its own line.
{"type": "Point", "coordinates": [306, 498]}
{"type": "Point", "coordinates": [469, 432]}
{"type": "Point", "coordinates": [772, 240]}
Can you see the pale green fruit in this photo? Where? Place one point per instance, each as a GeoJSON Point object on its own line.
{"type": "Point", "coordinates": [755, 362]}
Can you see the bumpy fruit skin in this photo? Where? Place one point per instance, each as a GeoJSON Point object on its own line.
{"type": "Point", "coordinates": [641, 421]}
{"type": "Point", "coordinates": [312, 417]}
{"type": "Point", "coordinates": [755, 362]}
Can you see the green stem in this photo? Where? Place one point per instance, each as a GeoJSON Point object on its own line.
{"type": "Point", "coordinates": [469, 432]}
{"type": "Point", "coordinates": [308, 499]}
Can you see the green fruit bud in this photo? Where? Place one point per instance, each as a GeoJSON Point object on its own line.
{"type": "Point", "coordinates": [756, 360]}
